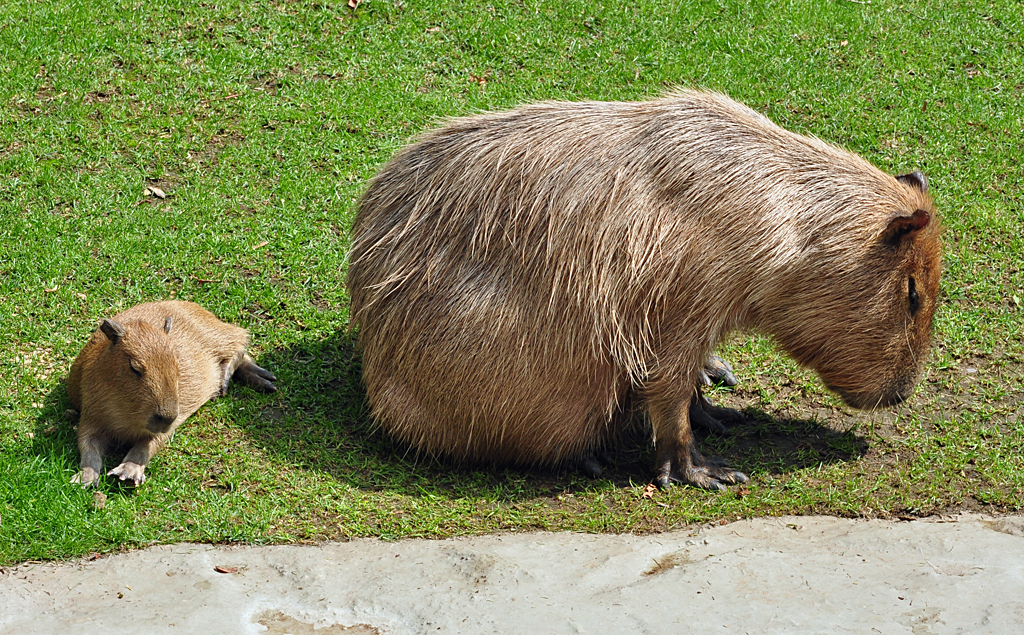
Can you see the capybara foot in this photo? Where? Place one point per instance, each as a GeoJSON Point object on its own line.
{"type": "Point", "coordinates": [717, 371]}
{"type": "Point", "coordinates": [255, 377]}
{"type": "Point", "coordinates": [590, 466]}
{"type": "Point", "coordinates": [593, 464]}
{"type": "Point", "coordinates": [87, 477]}
{"type": "Point", "coordinates": [129, 473]}
{"type": "Point", "coordinates": [712, 418]}
{"type": "Point", "coordinates": [699, 418]}
{"type": "Point", "coordinates": [704, 472]}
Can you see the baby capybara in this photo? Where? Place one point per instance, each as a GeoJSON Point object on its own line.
{"type": "Point", "coordinates": [516, 276]}
{"type": "Point", "coordinates": [143, 372]}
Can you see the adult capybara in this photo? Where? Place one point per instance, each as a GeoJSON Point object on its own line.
{"type": "Point", "coordinates": [516, 276]}
{"type": "Point", "coordinates": [143, 372]}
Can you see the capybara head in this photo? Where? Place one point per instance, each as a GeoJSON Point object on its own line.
{"type": "Point", "coordinates": [136, 379]}
{"type": "Point", "coordinates": [861, 316]}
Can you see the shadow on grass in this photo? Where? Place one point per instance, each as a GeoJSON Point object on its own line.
{"type": "Point", "coordinates": [320, 421]}
{"type": "Point", "coordinates": [55, 434]}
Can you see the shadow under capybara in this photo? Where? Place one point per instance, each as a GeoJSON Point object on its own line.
{"type": "Point", "coordinates": [143, 372]}
{"type": "Point", "coordinates": [516, 277]}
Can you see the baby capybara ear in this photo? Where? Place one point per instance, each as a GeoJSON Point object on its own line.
{"type": "Point", "coordinates": [914, 179]}
{"type": "Point", "coordinates": [167, 324]}
{"type": "Point", "coordinates": [901, 227]}
{"type": "Point", "coordinates": [112, 330]}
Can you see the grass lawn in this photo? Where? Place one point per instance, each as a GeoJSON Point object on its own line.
{"type": "Point", "coordinates": [261, 122]}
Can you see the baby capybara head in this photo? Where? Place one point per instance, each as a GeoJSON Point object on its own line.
{"type": "Point", "coordinates": [139, 383]}
{"type": "Point", "coordinates": [862, 315]}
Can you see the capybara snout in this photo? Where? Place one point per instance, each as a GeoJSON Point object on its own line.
{"type": "Point", "coordinates": [518, 277]}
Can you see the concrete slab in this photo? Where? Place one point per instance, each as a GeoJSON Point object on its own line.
{"type": "Point", "coordinates": [776, 575]}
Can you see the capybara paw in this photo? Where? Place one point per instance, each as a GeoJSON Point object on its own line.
{"type": "Point", "coordinates": [700, 418]}
{"type": "Point", "coordinates": [87, 477]}
{"type": "Point", "coordinates": [590, 466]}
{"type": "Point", "coordinates": [130, 473]}
{"type": "Point", "coordinates": [255, 377]}
{"type": "Point", "coordinates": [714, 475]}
{"type": "Point", "coordinates": [718, 371]}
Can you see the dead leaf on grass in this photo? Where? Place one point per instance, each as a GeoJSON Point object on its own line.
{"type": "Point", "coordinates": [220, 569]}
{"type": "Point", "coordinates": [649, 490]}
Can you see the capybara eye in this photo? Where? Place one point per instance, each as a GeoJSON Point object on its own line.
{"type": "Point", "coordinates": [915, 301]}
{"type": "Point", "coordinates": [135, 367]}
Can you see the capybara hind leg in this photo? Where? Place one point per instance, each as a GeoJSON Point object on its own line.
{"type": "Point", "coordinates": [253, 376]}
{"type": "Point", "coordinates": [713, 418]}
{"type": "Point", "coordinates": [91, 449]}
{"type": "Point", "coordinates": [676, 455]}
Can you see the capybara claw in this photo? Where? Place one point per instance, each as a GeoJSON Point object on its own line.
{"type": "Point", "coordinates": [130, 473]}
{"type": "Point", "coordinates": [87, 477]}
{"type": "Point", "coordinates": [713, 475]}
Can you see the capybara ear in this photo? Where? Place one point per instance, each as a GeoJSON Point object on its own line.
{"type": "Point", "coordinates": [903, 226]}
{"type": "Point", "coordinates": [167, 324]}
{"type": "Point", "coordinates": [914, 179]}
{"type": "Point", "coordinates": [113, 330]}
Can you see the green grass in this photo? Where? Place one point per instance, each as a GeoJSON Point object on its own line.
{"type": "Point", "coordinates": [262, 121]}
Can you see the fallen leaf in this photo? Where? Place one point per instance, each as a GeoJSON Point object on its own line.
{"type": "Point", "coordinates": [261, 245]}
{"type": "Point", "coordinates": [352, 4]}
{"type": "Point", "coordinates": [155, 191]}
{"type": "Point", "coordinates": [649, 491]}
{"type": "Point", "coordinates": [226, 569]}
{"type": "Point", "coordinates": [99, 501]}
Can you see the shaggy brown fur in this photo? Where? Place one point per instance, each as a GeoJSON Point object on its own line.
{"type": "Point", "coordinates": [515, 276]}
{"type": "Point", "coordinates": [145, 371]}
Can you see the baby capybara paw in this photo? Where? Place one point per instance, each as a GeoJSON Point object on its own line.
{"type": "Point", "coordinates": [87, 477]}
{"type": "Point", "coordinates": [130, 473]}
{"type": "Point", "coordinates": [711, 473]}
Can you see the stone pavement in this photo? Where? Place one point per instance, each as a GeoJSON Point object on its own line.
{"type": "Point", "coordinates": [771, 575]}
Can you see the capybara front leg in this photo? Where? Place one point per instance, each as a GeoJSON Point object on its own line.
{"type": "Point", "coordinates": [676, 455]}
{"type": "Point", "coordinates": [252, 375]}
{"type": "Point", "coordinates": [132, 470]}
{"type": "Point", "coordinates": [91, 448]}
